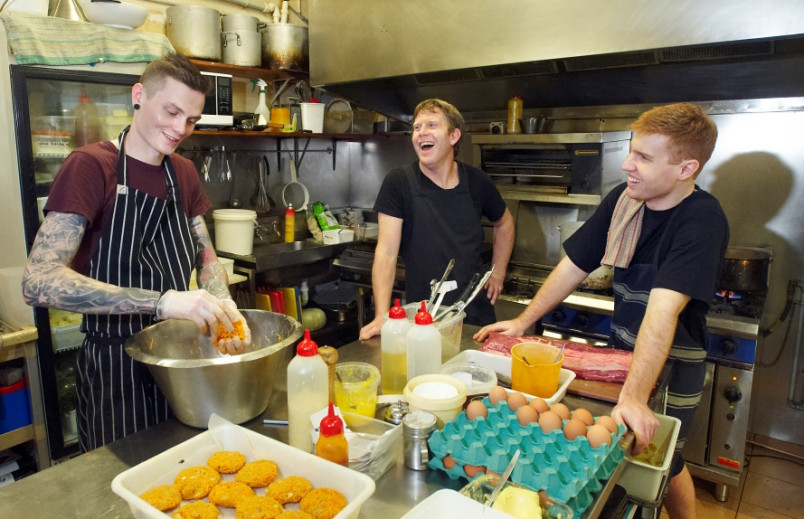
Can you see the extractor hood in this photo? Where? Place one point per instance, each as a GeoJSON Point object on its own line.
{"type": "Point", "coordinates": [388, 55]}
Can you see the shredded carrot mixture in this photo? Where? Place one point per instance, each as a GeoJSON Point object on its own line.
{"type": "Point", "coordinates": [239, 332]}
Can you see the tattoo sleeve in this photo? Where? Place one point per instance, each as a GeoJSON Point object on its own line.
{"type": "Point", "coordinates": [50, 281]}
{"type": "Point", "coordinates": [210, 274]}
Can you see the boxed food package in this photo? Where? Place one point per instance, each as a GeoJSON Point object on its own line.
{"type": "Point", "coordinates": [223, 435]}
{"type": "Point", "coordinates": [644, 475]}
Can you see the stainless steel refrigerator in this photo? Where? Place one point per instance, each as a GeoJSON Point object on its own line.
{"type": "Point", "coordinates": [48, 106]}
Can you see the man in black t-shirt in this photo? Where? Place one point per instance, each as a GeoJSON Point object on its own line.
{"type": "Point", "coordinates": [431, 212]}
{"type": "Point", "coordinates": [666, 239]}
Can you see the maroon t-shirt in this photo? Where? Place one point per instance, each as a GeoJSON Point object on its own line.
{"type": "Point", "coordinates": [86, 185]}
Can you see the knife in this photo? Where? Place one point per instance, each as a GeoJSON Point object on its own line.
{"type": "Point", "coordinates": [503, 478]}
{"type": "Point", "coordinates": [438, 286]}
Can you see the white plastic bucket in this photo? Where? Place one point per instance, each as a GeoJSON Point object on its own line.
{"type": "Point", "coordinates": [234, 230]}
{"type": "Point", "coordinates": [312, 116]}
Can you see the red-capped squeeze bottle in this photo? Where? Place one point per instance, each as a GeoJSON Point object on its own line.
{"type": "Point", "coordinates": [332, 443]}
{"type": "Point", "coordinates": [308, 392]}
{"type": "Point", "coordinates": [424, 345]}
{"type": "Point", "coordinates": [393, 344]}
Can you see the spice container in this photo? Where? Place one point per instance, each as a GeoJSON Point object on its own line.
{"type": "Point", "coordinates": [417, 428]}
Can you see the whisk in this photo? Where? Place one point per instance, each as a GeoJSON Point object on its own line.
{"type": "Point", "coordinates": [263, 204]}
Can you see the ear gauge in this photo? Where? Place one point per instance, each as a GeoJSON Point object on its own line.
{"type": "Point", "coordinates": [136, 106]}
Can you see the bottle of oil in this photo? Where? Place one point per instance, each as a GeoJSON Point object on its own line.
{"type": "Point", "coordinates": [308, 392]}
{"type": "Point", "coordinates": [87, 122]}
{"type": "Point", "coordinates": [514, 115]}
{"type": "Point", "coordinates": [393, 344]}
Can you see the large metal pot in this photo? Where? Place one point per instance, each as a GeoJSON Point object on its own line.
{"type": "Point", "coordinates": [284, 46]}
{"type": "Point", "coordinates": [745, 270]}
{"type": "Point", "coordinates": [240, 22]}
{"type": "Point", "coordinates": [242, 48]}
{"type": "Point", "coordinates": [194, 31]}
{"type": "Point", "coordinates": [602, 278]}
{"type": "Point", "coordinates": [197, 381]}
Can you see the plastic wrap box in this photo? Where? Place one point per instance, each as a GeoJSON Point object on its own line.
{"type": "Point", "coordinates": [223, 435]}
{"type": "Point", "coordinates": [568, 471]}
{"type": "Point", "coordinates": [644, 481]}
{"type": "Point", "coordinates": [501, 365]}
{"type": "Point", "coordinates": [66, 337]}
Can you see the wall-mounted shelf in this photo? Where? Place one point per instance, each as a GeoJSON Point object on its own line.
{"type": "Point", "coordinates": [248, 72]}
{"type": "Point", "coordinates": [520, 194]}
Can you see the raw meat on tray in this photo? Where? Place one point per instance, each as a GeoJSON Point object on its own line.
{"type": "Point", "coordinates": [588, 362]}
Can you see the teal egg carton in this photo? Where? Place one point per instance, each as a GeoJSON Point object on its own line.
{"type": "Point", "coordinates": [568, 471]}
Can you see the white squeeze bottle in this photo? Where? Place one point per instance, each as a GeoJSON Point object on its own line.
{"type": "Point", "coordinates": [308, 392]}
{"type": "Point", "coordinates": [424, 345]}
{"type": "Point", "coordinates": [262, 112]}
{"type": "Point", "coordinates": [393, 341]}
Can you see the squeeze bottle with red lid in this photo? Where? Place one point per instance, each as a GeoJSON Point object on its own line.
{"type": "Point", "coordinates": [87, 122]}
{"type": "Point", "coordinates": [290, 224]}
{"type": "Point", "coordinates": [514, 115]}
{"type": "Point", "coordinates": [308, 392]}
{"type": "Point", "coordinates": [393, 344]}
{"type": "Point", "coordinates": [332, 443]}
{"type": "Point", "coordinates": [423, 345]}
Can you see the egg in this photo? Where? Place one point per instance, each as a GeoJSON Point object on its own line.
{"type": "Point", "coordinates": [497, 394]}
{"type": "Point", "coordinates": [539, 404]}
{"type": "Point", "coordinates": [549, 421]}
{"type": "Point", "coordinates": [574, 428]}
{"type": "Point", "coordinates": [607, 422]}
{"type": "Point", "coordinates": [526, 414]}
{"type": "Point", "coordinates": [561, 410]}
{"type": "Point", "coordinates": [583, 415]}
{"type": "Point", "coordinates": [516, 400]}
{"type": "Point", "coordinates": [476, 409]}
{"type": "Point", "coordinates": [473, 470]}
{"type": "Point", "coordinates": [448, 461]}
{"type": "Point", "coordinates": [598, 435]}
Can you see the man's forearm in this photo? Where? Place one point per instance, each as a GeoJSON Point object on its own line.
{"type": "Point", "coordinates": [503, 244]}
{"type": "Point", "coordinates": [558, 285]}
{"type": "Point", "coordinates": [210, 274]}
{"type": "Point", "coordinates": [383, 273]}
{"type": "Point", "coordinates": [653, 343]}
{"type": "Point", "coordinates": [48, 281]}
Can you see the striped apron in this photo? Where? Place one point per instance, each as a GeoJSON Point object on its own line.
{"type": "Point", "coordinates": [632, 288]}
{"type": "Point", "coordinates": [147, 243]}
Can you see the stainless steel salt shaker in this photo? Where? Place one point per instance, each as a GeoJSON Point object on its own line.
{"type": "Point", "coordinates": [417, 427]}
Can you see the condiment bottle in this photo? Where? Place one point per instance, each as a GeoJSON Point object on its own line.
{"type": "Point", "coordinates": [514, 115]}
{"type": "Point", "coordinates": [332, 443]}
{"type": "Point", "coordinates": [261, 112]}
{"type": "Point", "coordinates": [87, 122]}
{"type": "Point", "coordinates": [393, 344]}
{"type": "Point", "coordinates": [307, 392]}
{"type": "Point", "coordinates": [290, 223]}
{"type": "Point", "coordinates": [423, 345]}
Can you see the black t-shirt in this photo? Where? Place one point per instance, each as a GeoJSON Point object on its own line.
{"type": "Point", "coordinates": [688, 259]}
{"type": "Point", "coordinates": [394, 198]}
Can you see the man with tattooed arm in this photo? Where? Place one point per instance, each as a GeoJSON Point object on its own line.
{"type": "Point", "coordinates": [123, 230]}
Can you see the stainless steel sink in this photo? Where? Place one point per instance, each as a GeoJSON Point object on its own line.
{"type": "Point", "coordinates": [267, 256]}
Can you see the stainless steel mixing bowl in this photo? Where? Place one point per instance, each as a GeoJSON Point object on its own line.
{"type": "Point", "coordinates": [197, 381]}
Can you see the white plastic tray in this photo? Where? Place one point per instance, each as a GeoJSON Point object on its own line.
{"type": "Point", "coordinates": [644, 481]}
{"type": "Point", "coordinates": [223, 435]}
{"type": "Point", "coordinates": [501, 365]}
{"type": "Point", "coordinates": [449, 503]}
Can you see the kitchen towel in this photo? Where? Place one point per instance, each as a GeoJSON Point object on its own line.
{"type": "Point", "coordinates": [624, 231]}
{"type": "Point", "coordinates": [40, 40]}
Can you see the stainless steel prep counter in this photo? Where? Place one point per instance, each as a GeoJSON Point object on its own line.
{"type": "Point", "coordinates": [81, 487]}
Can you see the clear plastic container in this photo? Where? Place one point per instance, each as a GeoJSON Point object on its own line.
{"type": "Point", "coordinates": [478, 379]}
{"type": "Point", "coordinates": [480, 490]}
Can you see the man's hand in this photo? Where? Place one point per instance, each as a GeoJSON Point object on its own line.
{"type": "Point", "coordinates": [206, 311]}
{"type": "Point", "coordinates": [640, 419]}
{"type": "Point", "coordinates": [514, 328]}
{"type": "Point", "coordinates": [494, 286]}
{"type": "Point", "coordinates": [234, 343]}
{"type": "Point", "coordinates": [371, 329]}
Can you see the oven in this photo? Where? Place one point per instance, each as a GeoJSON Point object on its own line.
{"type": "Point", "coordinates": [715, 447]}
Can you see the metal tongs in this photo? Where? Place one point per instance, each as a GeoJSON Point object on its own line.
{"type": "Point", "coordinates": [436, 287]}
{"type": "Point", "coordinates": [464, 301]}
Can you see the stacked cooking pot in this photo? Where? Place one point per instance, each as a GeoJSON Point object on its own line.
{"type": "Point", "coordinates": [200, 32]}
